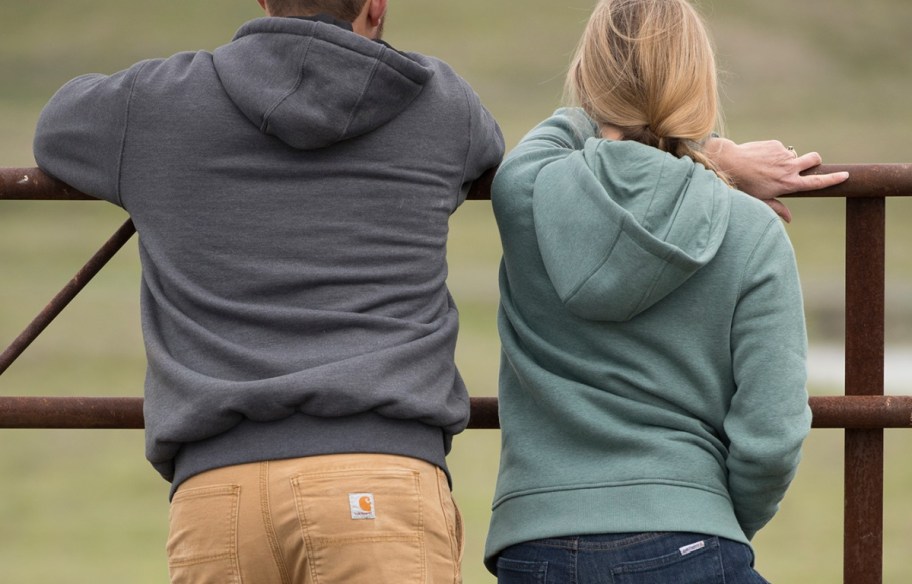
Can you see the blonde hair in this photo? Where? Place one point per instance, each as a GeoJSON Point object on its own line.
{"type": "Point", "coordinates": [647, 67]}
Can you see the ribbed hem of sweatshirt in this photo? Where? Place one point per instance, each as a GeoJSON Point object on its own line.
{"type": "Point", "coordinates": [302, 435]}
{"type": "Point", "coordinates": [614, 509]}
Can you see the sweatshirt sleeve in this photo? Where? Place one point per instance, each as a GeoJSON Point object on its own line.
{"type": "Point", "coordinates": [553, 139]}
{"type": "Point", "coordinates": [81, 131]}
{"type": "Point", "coordinates": [486, 142]}
{"type": "Point", "coordinates": [567, 128]}
{"type": "Point", "coordinates": [769, 416]}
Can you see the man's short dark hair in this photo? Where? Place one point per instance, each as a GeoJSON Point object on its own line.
{"type": "Point", "coordinates": [347, 10]}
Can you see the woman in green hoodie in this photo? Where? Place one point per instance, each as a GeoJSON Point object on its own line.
{"type": "Point", "coordinates": [652, 384]}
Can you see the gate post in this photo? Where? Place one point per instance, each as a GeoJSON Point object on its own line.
{"type": "Point", "coordinates": [864, 375]}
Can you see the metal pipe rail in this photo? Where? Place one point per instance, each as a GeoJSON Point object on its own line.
{"type": "Point", "coordinates": [126, 413]}
{"type": "Point", "coordinates": [868, 181]}
{"type": "Point", "coordinates": [31, 184]}
{"type": "Point", "coordinates": [863, 412]}
{"type": "Point", "coordinates": [66, 295]}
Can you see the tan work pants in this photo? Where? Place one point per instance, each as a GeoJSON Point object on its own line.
{"type": "Point", "coordinates": [338, 519]}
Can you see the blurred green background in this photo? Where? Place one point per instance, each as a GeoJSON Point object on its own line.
{"type": "Point", "coordinates": [84, 506]}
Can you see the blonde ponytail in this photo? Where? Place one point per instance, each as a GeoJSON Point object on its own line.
{"type": "Point", "coordinates": [647, 68]}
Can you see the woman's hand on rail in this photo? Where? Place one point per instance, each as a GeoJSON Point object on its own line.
{"type": "Point", "coordinates": [768, 169]}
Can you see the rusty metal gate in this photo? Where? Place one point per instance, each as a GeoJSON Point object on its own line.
{"type": "Point", "coordinates": [864, 411]}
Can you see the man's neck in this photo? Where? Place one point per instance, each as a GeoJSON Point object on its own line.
{"type": "Point", "coordinates": [327, 19]}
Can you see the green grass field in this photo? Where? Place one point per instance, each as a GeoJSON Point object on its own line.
{"type": "Point", "coordinates": [85, 507]}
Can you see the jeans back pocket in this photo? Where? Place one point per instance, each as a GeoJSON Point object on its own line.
{"type": "Point", "coordinates": [362, 525]}
{"type": "Point", "coordinates": [521, 572]}
{"type": "Point", "coordinates": [202, 542]}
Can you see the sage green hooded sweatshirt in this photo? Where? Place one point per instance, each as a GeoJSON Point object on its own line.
{"type": "Point", "coordinates": [654, 348]}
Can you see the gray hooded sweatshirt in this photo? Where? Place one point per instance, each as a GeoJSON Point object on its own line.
{"type": "Point", "coordinates": [291, 191]}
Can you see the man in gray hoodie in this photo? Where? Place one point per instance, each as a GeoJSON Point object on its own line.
{"type": "Point", "coordinates": [292, 191]}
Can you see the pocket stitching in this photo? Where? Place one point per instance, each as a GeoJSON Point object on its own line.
{"type": "Point", "coordinates": [453, 530]}
{"type": "Point", "coordinates": [297, 481]}
{"type": "Point", "coordinates": [538, 570]}
{"type": "Point", "coordinates": [670, 559]}
{"type": "Point", "coordinates": [231, 552]}
{"type": "Point", "coordinates": [417, 536]}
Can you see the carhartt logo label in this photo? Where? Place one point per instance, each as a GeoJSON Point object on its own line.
{"type": "Point", "coordinates": [689, 549]}
{"type": "Point", "coordinates": [362, 505]}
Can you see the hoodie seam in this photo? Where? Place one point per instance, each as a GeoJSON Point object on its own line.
{"type": "Point", "coordinates": [622, 231]}
{"type": "Point", "coordinates": [470, 133]}
{"type": "Point", "coordinates": [305, 51]}
{"type": "Point", "coordinates": [609, 248]}
{"type": "Point", "coordinates": [367, 84]}
{"type": "Point", "coordinates": [684, 193]}
{"type": "Point", "coordinates": [641, 304]}
{"type": "Point", "coordinates": [680, 203]}
{"type": "Point", "coordinates": [652, 199]}
{"type": "Point", "coordinates": [599, 264]}
{"type": "Point", "coordinates": [123, 137]}
{"type": "Point", "coordinates": [753, 253]}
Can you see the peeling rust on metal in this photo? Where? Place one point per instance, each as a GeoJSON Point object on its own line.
{"type": "Point", "coordinates": [33, 184]}
{"type": "Point", "coordinates": [868, 412]}
{"type": "Point", "coordinates": [71, 412]}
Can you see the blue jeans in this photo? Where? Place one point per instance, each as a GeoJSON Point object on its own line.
{"type": "Point", "coordinates": [629, 558]}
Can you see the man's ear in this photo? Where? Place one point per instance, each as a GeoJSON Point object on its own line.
{"type": "Point", "coordinates": [263, 5]}
{"type": "Point", "coordinates": [376, 12]}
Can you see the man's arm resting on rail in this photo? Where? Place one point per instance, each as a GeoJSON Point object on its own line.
{"type": "Point", "coordinates": [81, 133]}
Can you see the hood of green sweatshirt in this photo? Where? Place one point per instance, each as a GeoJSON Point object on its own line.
{"type": "Point", "coordinates": [621, 225]}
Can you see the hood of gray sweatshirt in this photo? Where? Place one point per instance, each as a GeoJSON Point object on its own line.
{"type": "Point", "coordinates": [331, 87]}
